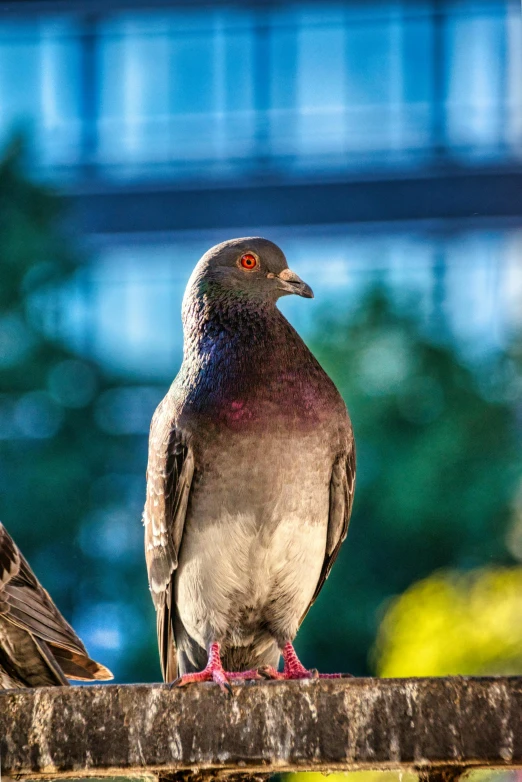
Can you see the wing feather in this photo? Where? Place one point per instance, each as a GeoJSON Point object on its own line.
{"type": "Point", "coordinates": [79, 667]}
{"type": "Point", "coordinates": [30, 610]}
{"type": "Point", "coordinates": [342, 487]}
{"type": "Point", "coordinates": [25, 604]}
{"type": "Point", "coordinates": [9, 557]}
{"type": "Point", "coordinates": [166, 640]}
{"type": "Point", "coordinates": [170, 471]}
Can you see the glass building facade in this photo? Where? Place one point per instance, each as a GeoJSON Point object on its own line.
{"type": "Point", "coordinates": [294, 87]}
{"type": "Point", "coordinates": [227, 96]}
{"type": "Point", "coordinates": [130, 294]}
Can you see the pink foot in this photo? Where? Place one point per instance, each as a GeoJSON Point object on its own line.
{"type": "Point", "coordinates": [294, 669]}
{"type": "Point", "coordinates": [214, 672]}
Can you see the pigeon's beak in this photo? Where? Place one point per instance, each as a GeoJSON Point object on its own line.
{"type": "Point", "coordinates": [294, 284]}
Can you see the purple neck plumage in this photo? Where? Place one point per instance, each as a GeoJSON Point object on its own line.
{"type": "Point", "coordinates": [243, 362]}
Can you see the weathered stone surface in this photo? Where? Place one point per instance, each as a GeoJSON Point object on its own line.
{"type": "Point", "coordinates": [345, 724]}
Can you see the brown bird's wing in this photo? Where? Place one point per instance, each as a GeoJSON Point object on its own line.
{"type": "Point", "coordinates": [26, 605]}
{"type": "Point", "coordinates": [342, 485]}
{"type": "Point", "coordinates": [10, 559]}
{"type": "Point", "coordinates": [169, 476]}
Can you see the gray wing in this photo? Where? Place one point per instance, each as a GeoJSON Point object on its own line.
{"type": "Point", "coordinates": [169, 476]}
{"type": "Point", "coordinates": [342, 486]}
{"type": "Point", "coordinates": [53, 648]}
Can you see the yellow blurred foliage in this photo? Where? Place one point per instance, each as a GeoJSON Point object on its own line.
{"type": "Point", "coordinates": [479, 775]}
{"type": "Point", "coordinates": [454, 623]}
{"type": "Point", "coordinates": [450, 623]}
{"type": "Point", "coordinates": [354, 776]}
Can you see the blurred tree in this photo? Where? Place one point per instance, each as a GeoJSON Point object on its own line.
{"type": "Point", "coordinates": [437, 455]}
{"type": "Point", "coordinates": [454, 623]}
{"type": "Point", "coordinates": [68, 487]}
{"type": "Point", "coordinates": [438, 460]}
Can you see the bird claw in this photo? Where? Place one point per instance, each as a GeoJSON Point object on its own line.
{"type": "Point", "coordinates": [224, 685]}
{"type": "Point", "coordinates": [214, 672]}
{"type": "Point", "coordinates": [269, 672]}
{"type": "Point", "coordinates": [207, 675]}
{"type": "Point", "coordinates": [295, 670]}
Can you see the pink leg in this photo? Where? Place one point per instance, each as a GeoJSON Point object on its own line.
{"type": "Point", "coordinates": [214, 672]}
{"type": "Point", "coordinates": [294, 669]}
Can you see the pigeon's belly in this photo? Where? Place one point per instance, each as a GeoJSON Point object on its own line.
{"type": "Point", "coordinates": [233, 586]}
{"type": "Point", "coordinates": [254, 545]}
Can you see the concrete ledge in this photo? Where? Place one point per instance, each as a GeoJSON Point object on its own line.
{"type": "Point", "coordinates": [436, 726]}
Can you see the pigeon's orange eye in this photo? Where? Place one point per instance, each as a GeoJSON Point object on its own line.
{"type": "Point", "coordinates": [248, 261]}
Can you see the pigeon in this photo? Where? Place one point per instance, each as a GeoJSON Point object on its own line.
{"type": "Point", "coordinates": [250, 477]}
{"type": "Point", "coordinates": [38, 648]}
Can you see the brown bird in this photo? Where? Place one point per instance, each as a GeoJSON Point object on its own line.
{"type": "Point", "coordinates": [38, 647]}
{"type": "Point", "coordinates": [250, 476]}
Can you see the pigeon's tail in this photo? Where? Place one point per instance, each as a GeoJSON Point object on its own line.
{"type": "Point", "coordinates": [166, 639]}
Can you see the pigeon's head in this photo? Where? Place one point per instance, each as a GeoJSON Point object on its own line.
{"type": "Point", "coordinates": [249, 268]}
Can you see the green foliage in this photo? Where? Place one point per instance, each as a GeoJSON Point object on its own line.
{"type": "Point", "coordinates": [438, 462]}
{"type": "Point", "coordinates": [437, 468]}
{"type": "Point", "coordinates": [40, 478]}
{"type": "Point", "coordinates": [33, 249]}
{"type": "Point", "coordinates": [64, 476]}
{"type": "Point", "coordinates": [454, 623]}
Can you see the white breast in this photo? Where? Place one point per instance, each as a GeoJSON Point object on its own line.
{"type": "Point", "coordinates": [255, 536]}
{"type": "Point", "coordinates": [234, 572]}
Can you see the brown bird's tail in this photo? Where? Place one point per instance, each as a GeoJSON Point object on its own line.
{"type": "Point", "coordinates": [78, 666]}
{"type": "Point", "coordinates": [43, 648]}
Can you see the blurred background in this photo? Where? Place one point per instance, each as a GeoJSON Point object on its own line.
{"type": "Point", "coordinates": [380, 144]}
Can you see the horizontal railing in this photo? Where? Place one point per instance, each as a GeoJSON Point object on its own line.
{"type": "Point", "coordinates": [437, 727]}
